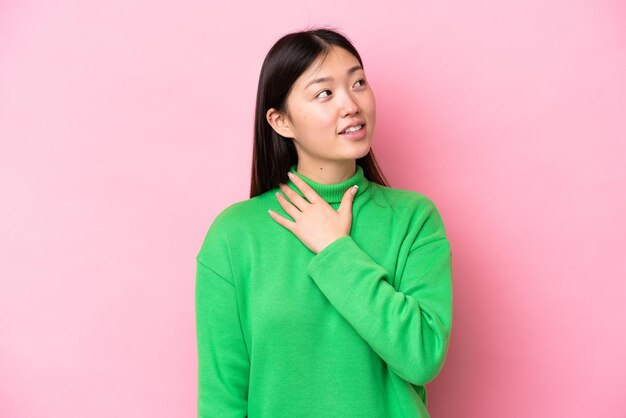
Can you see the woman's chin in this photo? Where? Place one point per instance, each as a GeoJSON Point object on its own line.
{"type": "Point", "coordinates": [362, 152]}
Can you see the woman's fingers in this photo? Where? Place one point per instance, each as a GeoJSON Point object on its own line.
{"type": "Point", "coordinates": [297, 200]}
{"type": "Point", "coordinates": [315, 225]}
{"type": "Point", "coordinates": [345, 207]}
{"type": "Point", "coordinates": [282, 221]}
{"type": "Point", "coordinates": [308, 192]}
{"type": "Point", "coordinates": [289, 208]}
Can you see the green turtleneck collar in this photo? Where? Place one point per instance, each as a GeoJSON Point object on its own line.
{"type": "Point", "coordinates": [332, 193]}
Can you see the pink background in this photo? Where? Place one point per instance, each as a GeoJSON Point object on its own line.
{"type": "Point", "coordinates": [126, 126]}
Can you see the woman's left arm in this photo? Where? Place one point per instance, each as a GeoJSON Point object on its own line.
{"type": "Point", "coordinates": [409, 328]}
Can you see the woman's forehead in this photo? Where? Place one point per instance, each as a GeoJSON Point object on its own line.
{"type": "Point", "coordinates": [336, 62]}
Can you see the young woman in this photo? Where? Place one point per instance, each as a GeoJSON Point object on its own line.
{"type": "Point", "coordinates": [327, 293]}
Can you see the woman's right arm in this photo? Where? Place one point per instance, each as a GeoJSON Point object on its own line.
{"type": "Point", "coordinates": [223, 362]}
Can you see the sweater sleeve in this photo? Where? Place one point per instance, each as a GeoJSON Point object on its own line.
{"type": "Point", "coordinates": [408, 328]}
{"type": "Point", "coordinates": [223, 362]}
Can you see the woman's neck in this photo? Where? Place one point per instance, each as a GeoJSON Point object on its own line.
{"type": "Point", "coordinates": [327, 173]}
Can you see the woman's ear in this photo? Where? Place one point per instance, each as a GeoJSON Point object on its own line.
{"type": "Point", "coordinates": [279, 123]}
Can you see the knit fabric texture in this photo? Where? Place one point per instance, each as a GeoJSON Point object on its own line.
{"type": "Point", "coordinates": [356, 330]}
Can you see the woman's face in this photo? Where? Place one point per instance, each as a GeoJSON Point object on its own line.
{"type": "Point", "coordinates": [323, 102]}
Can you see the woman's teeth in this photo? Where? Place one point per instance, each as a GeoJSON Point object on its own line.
{"type": "Point", "coordinates": [353, 129]}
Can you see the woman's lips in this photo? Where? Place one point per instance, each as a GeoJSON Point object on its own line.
{"type": "Point", "coordinates": [360, 134]}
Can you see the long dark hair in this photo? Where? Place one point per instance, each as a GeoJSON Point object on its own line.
{"type": "Point", "coordinates": [291, 55]}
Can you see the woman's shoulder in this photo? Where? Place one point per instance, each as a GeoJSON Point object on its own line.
{"type": "Point", "coordinates": [235, 222]}
{"type": "Point", "coordinates": [237, 213]}
{"type": "Point", "coordinates": [402, 198]}
{"type": "Point", "coordinates": [419, 210]}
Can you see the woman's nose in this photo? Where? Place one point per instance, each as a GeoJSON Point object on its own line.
{"type": "Point", "coordinates": [349, 105]}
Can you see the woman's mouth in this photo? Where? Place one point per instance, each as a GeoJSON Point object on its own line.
{"type": "Point", "coordinates": [352, 129]}
{"type": "Point", "coordinates": [354, 132]}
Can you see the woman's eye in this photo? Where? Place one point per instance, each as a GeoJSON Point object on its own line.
{"type": "Point", "coordinates": [324, 91]}
{"type": "Point", "coordinates": [360, 81]}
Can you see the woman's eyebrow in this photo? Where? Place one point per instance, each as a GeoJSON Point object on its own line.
{"type": "Point", "coordinates": [322, 79]}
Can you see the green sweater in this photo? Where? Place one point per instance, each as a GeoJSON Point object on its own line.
{"type": "Point", "coordinates": [356, 330]}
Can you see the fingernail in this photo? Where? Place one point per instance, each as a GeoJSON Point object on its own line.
{"type": "Point", "coordinates": [354, 189]}
{"type": "Point", "coordinates": [290, 174]}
